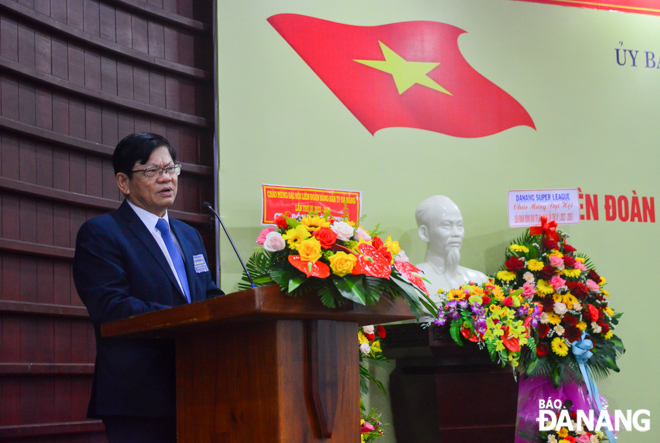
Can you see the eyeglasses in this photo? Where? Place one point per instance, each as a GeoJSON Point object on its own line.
{"type": "Point", "coordinates": [172, 171]}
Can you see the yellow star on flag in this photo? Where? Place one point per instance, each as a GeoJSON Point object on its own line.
{"type": "Point", "coordinates": [405, 73]}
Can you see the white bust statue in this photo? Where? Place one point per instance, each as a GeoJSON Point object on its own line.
{"type": "Point", "coordinates": [440, 224]}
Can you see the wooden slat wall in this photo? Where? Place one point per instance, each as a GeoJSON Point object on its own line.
{"type": "Point", "coordinates": [75, 77]}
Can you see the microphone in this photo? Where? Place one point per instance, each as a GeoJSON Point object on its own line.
{"type": "Point", "coordinates": [208, 207]}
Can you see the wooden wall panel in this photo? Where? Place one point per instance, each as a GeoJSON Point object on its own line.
{"type": "Point", "coordinates": [76, 76]}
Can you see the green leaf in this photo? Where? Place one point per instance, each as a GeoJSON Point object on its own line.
{"type": "Point", "coordinates": [490, 345]}
{"type": "Point", "coordinates": [258, 265]}
{"type": "Point", "coordinates": [374, 287]}
{"type": "Point", "coordinates": [531, 343]}
{"type": "Point", "coordinates": [349, 288]}
{"type": "Point", "coordinates": [556, 377]}
{"type": "Point", "coordinates": [618, 344]}
{"type": "Point", "coordinates": [262, 281]}
{"type": "Point", "coordinates": [283, 276]}
{"type": "Point", "coordinates": [294, 283]}
{"type": "Point", "coordinates": [531, 365]}
{"type": "Point", "coordinates": [455, 331]}
{"type": "Point", "coordinates": [328, 293]}
{"type": "Point", "coordinates": [410, 295]}
{"type": "Point", "coordinates": [365, 377]}
{"type": "Point", "coordinates": [503, 358]}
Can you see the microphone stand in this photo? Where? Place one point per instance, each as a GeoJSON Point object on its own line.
{"type": "Point", "coordinates": [208, 207]}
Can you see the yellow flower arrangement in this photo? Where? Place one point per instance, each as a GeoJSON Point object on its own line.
{"type": "Point", "coordinates": [314, 222]}
{"type": "Point", "coordinates": [392, 246]}
{"type": "Point", "coordinates": [342, 263]}
{"type": "Point", "coordinates": [519, 248]}
{"type": "Point", "coordinates": [514, 360]}
{"type": "Point", "coordinates": [573, 273]}
{"type": "Point", "coordinates": [535, 265]}
{"type": "Point", "coordinates": [310, 250]}
{"type": "Point", "coordinates": [456, 294]}
{"type": "Point", "coordinates": [506, 275]}
{"type": "Point", "coordinates": [570, 299]}
{"type": "Point", "coordinates": [559, 347]}
{"type": "Point", "coordinates": [544, 287]}
{"type": "Point", "coordinates": [295, 236]}
{"type": "Point", "coordinates": [553, 318]}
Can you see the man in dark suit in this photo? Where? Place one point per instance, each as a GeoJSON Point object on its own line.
{"type": "Point", "coordinates": [132, 261]}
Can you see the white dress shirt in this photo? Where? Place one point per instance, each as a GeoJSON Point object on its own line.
{"type": "Point", "coordinates": [150, 221]}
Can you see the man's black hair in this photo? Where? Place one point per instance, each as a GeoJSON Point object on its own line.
{"type": "Point", "coordinates": [138, 148]}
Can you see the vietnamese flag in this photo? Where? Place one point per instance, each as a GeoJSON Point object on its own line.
{"type": "Point", "coordinates": [409, 74]}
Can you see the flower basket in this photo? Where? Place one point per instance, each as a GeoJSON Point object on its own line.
{"type": "Point", "coordinates": [575, 340]}
{"type": "Point", "coordinates": [336, 259]}
{"type": "Point", "coordinates": [551, 272]}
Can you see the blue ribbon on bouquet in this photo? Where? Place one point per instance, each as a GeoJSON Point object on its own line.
{"type": "Point", "coordinates": [582, 352]}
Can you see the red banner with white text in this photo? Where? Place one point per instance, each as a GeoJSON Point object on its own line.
{"type": "Point", "coordinates": [300, 201]}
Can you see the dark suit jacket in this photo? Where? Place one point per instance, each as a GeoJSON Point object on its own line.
{"type": "Point", "coordinates": [120, 271]}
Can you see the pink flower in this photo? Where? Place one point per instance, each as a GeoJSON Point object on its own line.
{"type": "Point", "coordinates": [557, 282]}
{"type": "Point", "coordinates": [556, 262]}
{"type": "Point", "coordinates": [402, 257]}
{"type": "Point", "coordinates": [528, 290]}
{"type": "Point", "coordinates": [593, 286]}
{"type": "Point", "coordinates": [262, 237]}
{"type": "Point", "coordinates": [583, 439]}
{"type": "Point", "coordinates": [367, 427]}
{"type": "Point", "coordinates": [361, 234]}
{"type": "Point", "coordinates": [580, 266]}
{"type": "Point", "coordinates": [274, 242]}
{"type": "Point", "coordinates": [365, 348]}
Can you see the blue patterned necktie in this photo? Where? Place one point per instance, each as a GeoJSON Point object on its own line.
{"type": "Point", "coordinates": [164, 228]}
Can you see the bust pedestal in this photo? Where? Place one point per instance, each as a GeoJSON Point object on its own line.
{"type": "Point", "coordinates": [442, 392]}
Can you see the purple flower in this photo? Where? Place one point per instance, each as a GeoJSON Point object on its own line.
{"type": "Point", "coordinates": [476, 308]}
{"type": "Point", "coordinates": [463, 304]}
{"type": "Point", "coordinates": [480, 325]}
{"type": "Point", "coordinates": [440, 320]}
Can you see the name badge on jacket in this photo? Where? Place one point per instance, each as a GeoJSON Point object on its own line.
{"type": "Point", "coordinates": [200, 264]}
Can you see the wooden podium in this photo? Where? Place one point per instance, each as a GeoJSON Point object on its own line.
{"type": "Point", "coordinates": [259, 366]}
